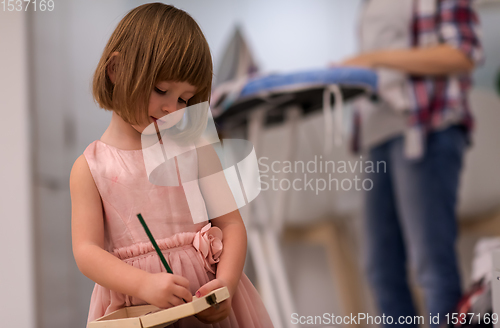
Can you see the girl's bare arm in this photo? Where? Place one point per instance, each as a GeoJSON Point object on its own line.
{"type": "Point", "coordinates": [232, 259]}
{"type": "Point", "coordinates": [87, 229]}
{"type": "Point", "coordinates": [218, 196]}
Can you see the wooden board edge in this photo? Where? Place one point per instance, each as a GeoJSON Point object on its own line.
{"type": "Point", "coordinates": [184, 310]}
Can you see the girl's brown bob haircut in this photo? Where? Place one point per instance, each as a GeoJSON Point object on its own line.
{"type": "Point", "coordinates": [155, 42]}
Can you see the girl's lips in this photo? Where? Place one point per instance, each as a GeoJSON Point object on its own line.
{"type": "Point", "coordinates": [157, 120]}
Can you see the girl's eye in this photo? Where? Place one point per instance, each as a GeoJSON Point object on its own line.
{"type": "Point", "coordinates": [161, 92]}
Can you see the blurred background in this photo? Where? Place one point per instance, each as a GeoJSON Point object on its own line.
{"type": "Point", "coordinates": [47, 60]}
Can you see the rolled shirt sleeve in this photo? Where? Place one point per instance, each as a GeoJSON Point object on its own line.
{"type": "Point", "coordinates": [459, 27]}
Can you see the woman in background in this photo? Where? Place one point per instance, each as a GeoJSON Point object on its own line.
{"type": "Point", "coordinates": [424, 52]}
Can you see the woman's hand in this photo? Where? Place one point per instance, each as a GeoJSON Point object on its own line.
{"type": "Point", "coordinates": [363, 60]}
{"type": "Point", "coordinates": [165, 290]}
{"type": "Point", "coordinates": [217, 312]}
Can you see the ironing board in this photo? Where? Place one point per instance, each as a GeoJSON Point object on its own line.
{"type": "Point", "coordinates": [258, 102]}
{"type": "Point", "coordinates": [311, 90]}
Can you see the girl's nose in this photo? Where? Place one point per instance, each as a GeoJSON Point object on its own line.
{"type": "Point", "coordinates": [169, 107]}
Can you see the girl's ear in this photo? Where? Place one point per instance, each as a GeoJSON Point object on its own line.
{"type": "Point", "coordinates": [112, 67]}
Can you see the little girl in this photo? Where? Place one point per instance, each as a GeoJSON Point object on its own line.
{"type": "Point", "coordinates": [156, 62]}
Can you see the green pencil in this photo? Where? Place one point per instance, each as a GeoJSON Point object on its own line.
{"type": "Point", "coordinates": [155, 245]}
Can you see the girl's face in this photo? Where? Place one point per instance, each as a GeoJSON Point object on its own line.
{"type": "Point", "coordinates": [167, 97]}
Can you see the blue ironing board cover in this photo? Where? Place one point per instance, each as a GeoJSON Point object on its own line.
{"type": "Point", "coordinates": [350, 76]}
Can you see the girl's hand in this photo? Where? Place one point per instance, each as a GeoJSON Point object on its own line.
{"type": "Point", "coordinates": [165, 290]}
{"type": "Point", "coordinates": [218, 312]}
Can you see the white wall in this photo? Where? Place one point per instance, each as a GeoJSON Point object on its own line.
{"type": "Point", "coordinates": [16, 268]}
{"type": "Point", "coordinates": [284, 35]}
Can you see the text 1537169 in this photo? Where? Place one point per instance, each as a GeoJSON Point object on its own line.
{"type": "Point", "coordinates": [25, 5]}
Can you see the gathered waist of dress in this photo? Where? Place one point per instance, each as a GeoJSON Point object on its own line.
{"type": "Point", "coordinates": [143, 248]}
{"type": "Point", "coordinates": [207, 242]}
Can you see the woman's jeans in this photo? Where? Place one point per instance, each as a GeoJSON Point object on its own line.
{"type": "Point", "coordinates": [411, 223]}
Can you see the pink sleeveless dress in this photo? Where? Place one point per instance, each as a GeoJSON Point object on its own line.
{"type": "Point", "coordinates": [190, 249]}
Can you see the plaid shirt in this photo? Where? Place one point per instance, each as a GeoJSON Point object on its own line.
{"type": "Point", "coordinates": [438, 102]}
{"type": "Point", "coordinates": [441, 101]}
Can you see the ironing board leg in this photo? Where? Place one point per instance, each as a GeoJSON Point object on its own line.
{"type": "Point", "coordinates": [261, 264]}
{"type": "Point", "coordinates": [261, 267]}
{"type": "Point", "coordinates": [266, 240]}
{"type": "Point", "coordinates": [280, 276]}
{"type": "Point", "coordinates": [274, 230]}
{"type": "Point", "coordinates": [255, 242]}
